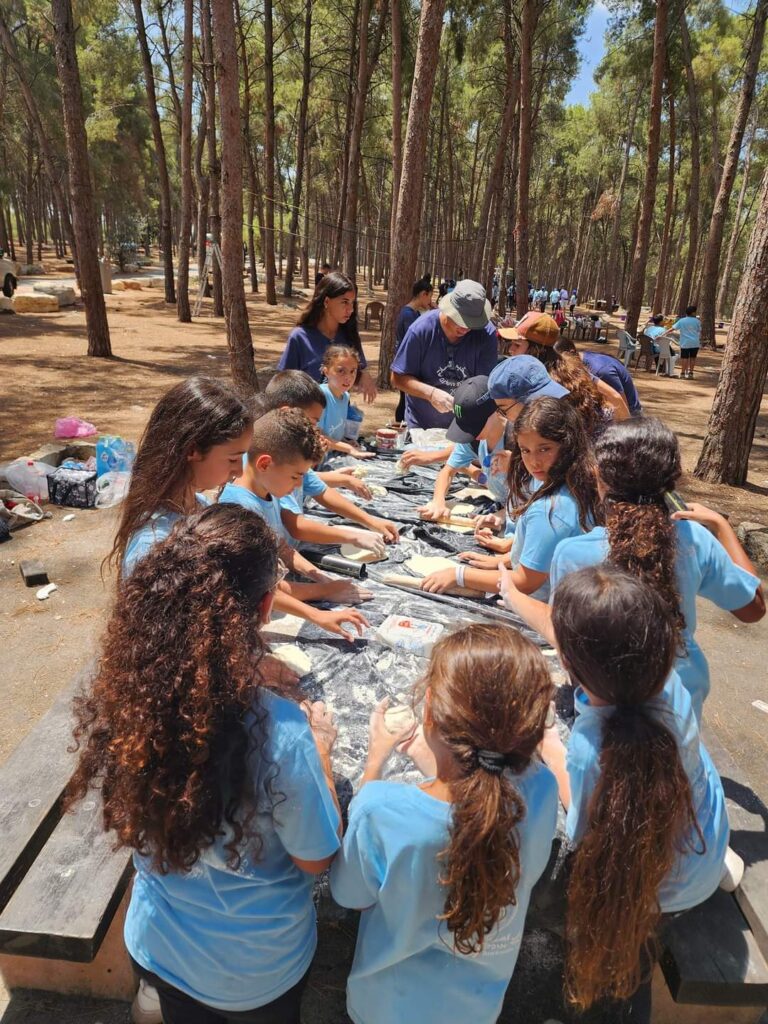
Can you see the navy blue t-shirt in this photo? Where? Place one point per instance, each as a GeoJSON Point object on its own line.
{"type": "Point", "coordinates": [305, 350]}
{"type": "Point", "coordinates": [408, 315]}
{"type": "Point", "coordinates": [427, 355]}
{"type": "Point", "coordinates": [615, 375]}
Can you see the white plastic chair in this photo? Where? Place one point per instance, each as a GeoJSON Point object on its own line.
{"type": "Point", "coordinates": [666, 357]}
{"type": "Point", "coordinates": [627, 347]}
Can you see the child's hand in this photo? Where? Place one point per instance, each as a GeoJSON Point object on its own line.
{"type": "Point", "coordinates": [500, 462]}
{"type": "Point", "coordinates": [381, 742]}
{"type": "Point", "coordinates": [551, 748]}
{"type": "Point", "coordinates": [481, 561]}
{"type": "Point", "coordinates": [489, 522]}
{"type": "Point", "coordinates": [487, 540]}
{"type": "Point", "coordinates": [417, 749]}
{"type": "Point", "coordinates": [416, 457]}
{"type": "Point", "coordinates": [334, 622]}
{"type": "Point", "coordinates": [367, 540]}
{"type": "Point", "coordinates": [361, 453]}
{"type": "Point", "coordinates": [360, 488]}
{"type": "Point", "coordinates": [507, 588]}
{"type": "Point", "coordinates": [439, 582]}
{"type": "Point", "coordinates": [386, 528]}
{"type": "Point", "coordinates": [433, 510]}
{"type": "Point", "coordinates": [701, 514]}
{"type": "Point", "coordinates": [346, 591]}
{"type": "Point", "coordinates": [321, 723]}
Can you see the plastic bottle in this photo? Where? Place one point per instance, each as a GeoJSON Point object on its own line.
{"type": "Point", "coordinates": [29, 479]}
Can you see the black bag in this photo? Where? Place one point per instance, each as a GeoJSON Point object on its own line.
{"type": "Point", "coordinates": [75, 488]}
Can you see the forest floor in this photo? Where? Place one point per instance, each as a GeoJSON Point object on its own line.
{"type": "Point", "coordinates": [46, 374]}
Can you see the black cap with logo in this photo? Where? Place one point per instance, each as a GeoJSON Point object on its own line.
{"type": "Point", "coordinates": [472, 408]}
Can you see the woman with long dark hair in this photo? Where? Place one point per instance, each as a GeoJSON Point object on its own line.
{"type": "Point", "coordinates": [646, 809]}
{"type": "Point", "coordinates": [329, 318]}
{"type": "Point", "coordinates": [443, 871]}
{"type": "Point", "coordinates": [220, 787]}
{"type": "Point", "coordinates": [638, 463]}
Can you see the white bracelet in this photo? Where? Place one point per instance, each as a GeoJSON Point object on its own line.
{"type": "Point", "coordinates": [460, 575]}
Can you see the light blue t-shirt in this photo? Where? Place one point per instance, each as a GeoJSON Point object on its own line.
{"type": "Point", "coordinates": [702, 566]}
{"type": "Point", "coordinates": [540, 529]}
{"type": "Point", "coordinates": [156, 529]}
{"type": "Point", "coordinates": [695, 875]}
{"type": "Point", "coordinates": [310, 487]}
{"type": "Point", "coordinates": [267, 508]}
{"type": "Point", "coordinates": [464, 454]}
{"type": "Point", "coordinates": [237, 938]}
{"type": "Point", "coordinates": [690, 331]}
{"type": "Point", "coordinates": [333, 422]}
{"type": "Point", "coordinates": [405, 967]}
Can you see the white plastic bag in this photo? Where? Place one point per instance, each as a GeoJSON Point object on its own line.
{"type": "Point", "coordinates": [111, 488]}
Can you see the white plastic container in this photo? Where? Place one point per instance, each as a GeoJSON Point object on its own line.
{"type": "Point", "coordinates": [28, 478]}
{"type": "Point", "coordinates": [415, 635]}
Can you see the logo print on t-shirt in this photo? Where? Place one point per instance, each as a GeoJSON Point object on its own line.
{"type": "Point", "coordinates": [451, 375]}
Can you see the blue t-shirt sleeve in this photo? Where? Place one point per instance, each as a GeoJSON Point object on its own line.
{"type": "Point", "coordinates": [543, 532]}
{"type": "Point", "coordinates": [722, 581]}
{"type": "Point", "coordinates": [290, 359]}
{"type": "Point", "coordinates": [312, 484]}
{"type": "Point", "coordinates": [305, 816]}
{"type": "Point", "coordinates": [583, 765]}
{"type": "Point", "coordinates": [408, 358]}
{"type": "Point", "coordinates": [358, 871]}
{"type": "Point", "coordinates": [462, 455]}
{"type": "Point", "coordinates": [140, 542]}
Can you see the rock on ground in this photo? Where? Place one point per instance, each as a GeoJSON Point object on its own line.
{"type": "Point", "coordinates": [35, 303]}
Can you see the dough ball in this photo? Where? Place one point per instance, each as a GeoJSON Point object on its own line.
{"type": "Point", "coordinates": [356, 554]}
{"type": "Point", "coordinates": [361, 472]}
{"type": "Point", "coordinates": [399, 718]}
{"type": "Point", "coordinates": [426, 564]}
{"type": "Point", "coordinates": [377, 490]}
{"type": "Point", "coordinates": [294, 657]}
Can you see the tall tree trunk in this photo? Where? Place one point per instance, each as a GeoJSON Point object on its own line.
{"type": "Point", "coordinates": [722, 292]}
{"type": "Point", "coordinates": [255, 205]}
{"type": "Point", "coordinates": [694, 189]}
{"type": "Point", "coordinates": [397, 110]}
{"type": "Point", "coordinates": [268, 241]}
{"type": "Point", "coordinates": [203, 187]}
{"type": "Point", "coordinates": [29, 199]}
{"type": "Point", "coordinates": [731, 428]}
{"type": "Point", "coordinates": [235, 310]}
{"type": "Point", "coordinates": [166, 236]}
{"type": "Point", "coordinates": [83, 215]}
{"type": "Point", "coordinates": [640, 259]}
{"type": "Point", "coordinates": [185, 226]}
{"type": "Point", "coordinates": [214, 167]}
{"type": "Point", "coordinates": [711, 267]}
{"type": "Point", "coordinates": [529, 19]}
{"type": "Point", "coordinates": [405, 239]}
{"type": "Point", "coordinates": [661, 275]}
{"type": "Point", "coordinates": [301, 136]}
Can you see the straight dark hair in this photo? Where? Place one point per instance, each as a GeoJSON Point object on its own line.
{"type": "Point", "coordinates": [331, 286]}
{"type": "Point", "coordinates": [616, 638]}
{"type": "Point", "coordinates": [195, 415]}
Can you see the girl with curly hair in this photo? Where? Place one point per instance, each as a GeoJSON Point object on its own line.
{"type": "Point", "coordinates": [645, 806]}
{"type": "Point", "coordinates": [443, 871]}
{"type": "Point", "coordinates": [552, 495]}
{"type": "Point", "coordinates": [194, 441]}
{"type": "Point", "coordinates": [690, 553]}
{"type": "Point", "coordinates": [329, 318]}
{"type": "Point", "coordinates": [221, 787]}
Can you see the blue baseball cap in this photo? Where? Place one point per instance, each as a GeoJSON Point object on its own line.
{"type": "Point", "coordinates": [523, 378]}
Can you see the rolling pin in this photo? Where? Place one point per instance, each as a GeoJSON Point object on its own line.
{"type": "Point", "coordinates": [452, 521]}
{"type": "Point", "coordinates": [414, 582]}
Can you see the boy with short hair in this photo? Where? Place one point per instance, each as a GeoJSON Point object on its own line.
{"type": "Point", "coordinates": [284, 447]}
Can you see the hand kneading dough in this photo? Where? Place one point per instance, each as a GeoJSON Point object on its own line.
{"type": "Point", "coordinates": [294, 657]}
{"type": "Point", "coordinates": [356, 554]}
{"type": "Point", "coordinates": [426, 564]}
{"type": "Point", "coordinates": [399, 718]}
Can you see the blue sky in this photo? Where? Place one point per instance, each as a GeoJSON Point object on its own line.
{"type": "Point", "coordinates": [591, 50]}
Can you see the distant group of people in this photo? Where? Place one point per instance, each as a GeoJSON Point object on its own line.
{"type": "Point", "coordinates": [557, 298]}
{"type": "Point", "coordinates": [688, 331]}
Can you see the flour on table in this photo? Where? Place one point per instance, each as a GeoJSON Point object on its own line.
{"type": "Point", "coordinates": [356, 554]}
{"type": "Point", "coordinates": [294, 657]}
{"type": "Point", "coordinates": [426, 564]}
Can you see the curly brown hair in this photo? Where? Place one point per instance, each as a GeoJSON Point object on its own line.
{"type": "Point", "coordinates": [556, 421]}
{"type": "Point", "coordinates": [568, 370]}
{"type": "Point", "coordinates": [615, 636]}
{"type": "Point", "coordinates": [174, 715]}
{"type": "Point", "coordinates": [286, 435]}
{"type": "Point", "coordinates": [638, 461]}
{"type": "Point", "coordinates": [195, 415]}
{"type": "Point", "coordinates": [489, 690]}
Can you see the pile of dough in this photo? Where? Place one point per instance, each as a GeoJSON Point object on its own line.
{"type": "Point", "coordinates": [356, 554]}
{"type": "Point", "coordinates": [463, 509]}
{"type": "Point", "coordinates": [361, 472]}
{"type": "Point", "coordinates": [294, 657]}
{"type": "Point", "coordinates": [399, 718]}
{"type": "Point", "coordinates": [423, 565]}
{"type": "Point", "coordinates": [377, 490]}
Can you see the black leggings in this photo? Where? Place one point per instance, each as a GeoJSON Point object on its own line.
{"type": "Point", "coordinates": [179, 1008]}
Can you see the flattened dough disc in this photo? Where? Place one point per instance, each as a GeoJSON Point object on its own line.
{"type": "Point", "coordinates": [356, 554]}
{"type": "Point", "coordinates": [294, 657]}
{"type": "Point", "coordinates": [463, 508]}
{"type": "Point", "coordinates": [426, 564]}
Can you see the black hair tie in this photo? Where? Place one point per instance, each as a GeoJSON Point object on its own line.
{"type": "Point", "coordinates": [491, 761]}
{"type": "Point", "coordinates": [638, 499]}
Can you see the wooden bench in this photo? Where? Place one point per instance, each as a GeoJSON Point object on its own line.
{"type": "Point", "coordinates": [62, 887]}
{"type": "Point", "coordinates": [714, 958]}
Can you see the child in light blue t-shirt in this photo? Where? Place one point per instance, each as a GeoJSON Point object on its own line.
{"type": "Point", "coordinates": [341, 366]}
{"type": "Point", "coordinates": [646, 809]}
{"type": "Point", "coordinates": [444, 886]}
{"type": "Point", "coordinates": [552, 496]}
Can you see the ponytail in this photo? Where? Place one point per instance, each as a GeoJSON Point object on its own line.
{"type": "Point", "coordinates": [489, 695]}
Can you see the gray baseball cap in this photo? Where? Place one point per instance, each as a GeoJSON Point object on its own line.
{"type": "Point", "coordinates": [467, 305]}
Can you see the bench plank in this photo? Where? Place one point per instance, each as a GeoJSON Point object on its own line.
{"type": "Point", "coordinates": [66, 901]}
{"type": "Point", "coordinates": [32, 781]}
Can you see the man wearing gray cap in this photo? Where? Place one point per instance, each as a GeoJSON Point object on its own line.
{"type": "Point", "coordinates": [440, 350]}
